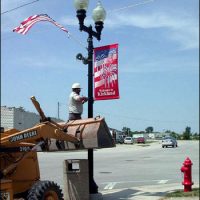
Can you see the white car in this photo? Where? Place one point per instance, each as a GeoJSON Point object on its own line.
{"type": "Point", "coordinates": [169, 141]}
{"type": "Point", "coordinates": [128, 140]}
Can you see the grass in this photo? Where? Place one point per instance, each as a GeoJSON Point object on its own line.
{"type": "Point", "coordinates": [181, 193]}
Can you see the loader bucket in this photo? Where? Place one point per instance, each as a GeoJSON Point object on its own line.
{"type": "Point", "coordinates": [92, 132]}
{"type": "Point", "coordinates": [51, 136]}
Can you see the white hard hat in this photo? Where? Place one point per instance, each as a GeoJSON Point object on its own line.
{"type": "Point", "coordinates": [76, 86]}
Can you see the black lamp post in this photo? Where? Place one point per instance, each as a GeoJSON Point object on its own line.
{"type": "Point", "coordinates": [98, 16]}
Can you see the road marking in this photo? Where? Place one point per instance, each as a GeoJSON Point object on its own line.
{"type": "Point", "coordinates": [110, 186]}
{"type": "Point", "coordinates": [139, 193]}
{"type": "Point", "coordinates": [163, 181]}
{"type": "Point", "coordinates": [137, 181]}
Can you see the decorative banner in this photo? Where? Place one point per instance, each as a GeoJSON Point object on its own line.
{"type": "Point", "coordinates": [106, 72]}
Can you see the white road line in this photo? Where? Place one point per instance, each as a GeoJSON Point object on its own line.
{"type": "Point", "coordinates": [163, 181]}
{"type": "Point", "coordinates": [110, 186]}
{"type": "Point", "coordinates": [136, 181]}
{"type": "Point", "coordinates": [140, 192]}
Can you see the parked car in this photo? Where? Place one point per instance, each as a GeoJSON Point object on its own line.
{"type": "Point", "coordinates": [120, 140]}
{"type": "Point", "coordinates": [169, 141]}
{"type": "Point", "coordinates": [128, 140]}
{"type": "Point", "coordinates": [141, 140]}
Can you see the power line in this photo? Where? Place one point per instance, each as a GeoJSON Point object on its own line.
{"type": "Point", "coordinates": [19, 7]}
{"type": "Point", "coordinates": [115, 10]}
{"type": "Point", "coordinates": [143, 119]}
{"type": "Point", "coordinates": [130, 6]}
{"type": "Point", "coordinates": [70, 35]}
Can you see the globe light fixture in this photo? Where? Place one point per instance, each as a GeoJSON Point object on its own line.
{"type": "Point", "coordinates": [81, 4]}
{"type": "Point", "coordinates": [81, 7]}
{"type": "Point", "coordinates": [99, 13]}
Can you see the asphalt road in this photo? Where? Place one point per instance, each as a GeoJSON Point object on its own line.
{"type": "Point", "coordinates": [127, 166]}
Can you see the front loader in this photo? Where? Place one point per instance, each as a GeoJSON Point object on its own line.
{"type": "Point", "coordinates": [19, 169]}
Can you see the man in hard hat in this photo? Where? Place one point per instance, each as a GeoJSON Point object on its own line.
{"type": "Point", "coordinates": [76, 102]}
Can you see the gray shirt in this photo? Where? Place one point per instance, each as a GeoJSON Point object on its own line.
{"type": "Point", "coordinates": [75, 103]}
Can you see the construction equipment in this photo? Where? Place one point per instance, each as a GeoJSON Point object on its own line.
{"type": "Point", "coordinates": [19, 169]}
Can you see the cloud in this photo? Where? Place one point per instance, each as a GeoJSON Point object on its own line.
{"type": "Point", "coordinates": [69, 21]}
{"type": "Point", "coordinates": [34, 62]}
{"type": "Point", "coordinates": [158, 67]}
{"type": "Point", "coordinates": [179, 28]}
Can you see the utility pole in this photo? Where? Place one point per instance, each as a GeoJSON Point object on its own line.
{"type": "Point", "coordinates": [58, 110]}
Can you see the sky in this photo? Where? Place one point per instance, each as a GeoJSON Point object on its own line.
{"type": "Point", "coordinates": [158, 61]}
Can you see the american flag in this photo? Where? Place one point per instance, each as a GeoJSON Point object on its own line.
{"type": "Point", "coordinates": [26, 25]}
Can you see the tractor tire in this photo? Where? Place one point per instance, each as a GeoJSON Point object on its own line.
{"type": "Point", "coordinates": [45, 190]}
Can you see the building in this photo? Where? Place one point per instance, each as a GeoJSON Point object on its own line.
{"type": "Point", "coordinates": [18, 118]}
{"type": "Point", "coordinates": [117, 135]}
{"type": "Point", "coordinates": [153, 135]}
{"type": "Point", "coordinates": [158, 135]}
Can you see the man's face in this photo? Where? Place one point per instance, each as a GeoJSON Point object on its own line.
{"type": "Point", "coordinates": [78, 90]}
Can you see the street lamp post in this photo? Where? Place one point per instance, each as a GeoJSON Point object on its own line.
{"type": "Point", "coordinates": [98, 16]}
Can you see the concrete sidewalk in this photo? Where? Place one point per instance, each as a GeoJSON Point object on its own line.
{"type": "Point", "coordinates": [151, 192]}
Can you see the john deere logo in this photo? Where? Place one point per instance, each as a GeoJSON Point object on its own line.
{"type": "Point", "coordinates": [22, 136]}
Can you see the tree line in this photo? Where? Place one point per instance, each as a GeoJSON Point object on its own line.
{"type": "Point", "coordinates": [186, 135]}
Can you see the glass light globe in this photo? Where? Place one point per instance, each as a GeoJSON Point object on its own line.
{"type": "Point", "coordinates": [81, 4]}
{"type": "Point", "coordinates": [99, 13]}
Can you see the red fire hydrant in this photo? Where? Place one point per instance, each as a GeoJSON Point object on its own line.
{"type": "Point", "coordinates": [187, 170]}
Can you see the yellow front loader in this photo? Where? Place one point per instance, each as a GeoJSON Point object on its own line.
{"type": "Point", "coordinates": [19, 168]}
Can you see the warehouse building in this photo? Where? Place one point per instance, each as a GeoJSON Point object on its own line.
{"type": "Point", "coordinates": [18, 118]}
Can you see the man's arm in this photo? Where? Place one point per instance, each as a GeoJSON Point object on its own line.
{"type": "Point", "coordinates": [82, 99]}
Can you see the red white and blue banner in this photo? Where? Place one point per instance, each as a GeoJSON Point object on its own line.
{"type": "Point", "coordinates": [106, 72]}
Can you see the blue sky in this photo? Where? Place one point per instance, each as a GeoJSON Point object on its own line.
{"type": "Point", "coordinates": [158, 61]}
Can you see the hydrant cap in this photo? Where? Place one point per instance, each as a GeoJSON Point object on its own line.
{"type": "Point", "coordinates": [187, 161]}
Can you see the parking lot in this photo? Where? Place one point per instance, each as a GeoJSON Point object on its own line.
{"type": "Point", "coordinates": [127, 166]}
